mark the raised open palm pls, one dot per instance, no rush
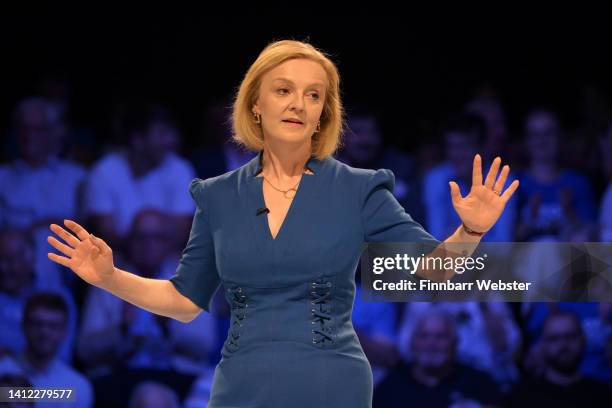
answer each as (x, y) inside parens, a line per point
(88, 256)
(481, 208)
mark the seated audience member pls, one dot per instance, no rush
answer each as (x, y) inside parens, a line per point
(596, 324)
(151, 394)
(487, 104)
(45, 322)
(116, 334)
(555, 378)
(146, 174)
(433, 377)
(550, 198)
(364, 148)
(605, 212)
(488, 335)
(18, 281)
(463, 138)
(376, 326)
(219, 154)
(31, 197)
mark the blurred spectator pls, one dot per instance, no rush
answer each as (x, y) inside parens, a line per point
(376, 326)
(151, 394)
(39, 188)
(199, 395)
(488, 335)
(605, 212)
(557, 379)
(487, 105)
(596, 324)
(550, 198)
(220, 154)
(434, 378)
(45, 323)
(363, 147)
(464, 137)
(79, 143)
(18, 281)
(148, 173)
(115, 333)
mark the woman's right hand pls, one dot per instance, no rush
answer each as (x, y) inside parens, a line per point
(88, 256)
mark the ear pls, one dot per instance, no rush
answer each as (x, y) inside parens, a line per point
(255, 107)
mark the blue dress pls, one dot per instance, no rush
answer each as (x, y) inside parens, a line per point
(291, 341)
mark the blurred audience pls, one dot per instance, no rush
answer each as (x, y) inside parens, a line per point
(433, 377)
(45, 324)
(220, 155)
(363, 147)
(115, 334)
(488, 335)
(555, 378)
(551, 199)
(135, 196)
(19, 279)
(151, 394)
(464, 134)
(31, 197)
(146, 173)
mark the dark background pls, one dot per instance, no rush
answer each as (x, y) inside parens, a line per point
(413, 70)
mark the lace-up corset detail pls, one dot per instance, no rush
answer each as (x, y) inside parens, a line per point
(239, 305)
(320, 293)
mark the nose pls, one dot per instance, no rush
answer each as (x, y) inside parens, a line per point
(297, 104)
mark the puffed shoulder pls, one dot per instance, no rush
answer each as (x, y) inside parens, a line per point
(378, 179)
(196, 189)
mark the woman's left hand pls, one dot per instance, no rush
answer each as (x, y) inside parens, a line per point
(481, 208)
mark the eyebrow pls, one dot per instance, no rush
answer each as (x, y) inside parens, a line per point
(291, 82)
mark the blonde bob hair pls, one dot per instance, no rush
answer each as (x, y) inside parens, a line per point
(248, 133)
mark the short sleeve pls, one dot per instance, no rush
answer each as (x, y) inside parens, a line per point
(196, 276)
(383, 217)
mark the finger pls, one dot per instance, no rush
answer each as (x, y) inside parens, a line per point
(477, 171)
(455, 192)
(62, 260)
(65, 249)
(65, 235)
(492, 174)
(501, 181)
(510, 190)
(77, 229)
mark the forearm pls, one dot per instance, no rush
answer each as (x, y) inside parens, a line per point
(157, 296)
(459, 244)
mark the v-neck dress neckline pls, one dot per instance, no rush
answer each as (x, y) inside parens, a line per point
(296, 208)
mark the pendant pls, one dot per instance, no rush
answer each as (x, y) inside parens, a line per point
(290, 193)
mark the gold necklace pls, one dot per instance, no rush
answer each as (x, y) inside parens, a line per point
(285, 192)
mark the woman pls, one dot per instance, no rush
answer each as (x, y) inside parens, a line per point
(283, 235)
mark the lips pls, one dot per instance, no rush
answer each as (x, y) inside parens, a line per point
(295, 121)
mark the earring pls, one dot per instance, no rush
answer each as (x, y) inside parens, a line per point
(318, 129)
(257, 117)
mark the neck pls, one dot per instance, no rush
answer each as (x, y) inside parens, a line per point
(430, 376)
(284, 163)
(35, 162)
(544, 171)
(563, 379)
(38, 363)
(138, 164)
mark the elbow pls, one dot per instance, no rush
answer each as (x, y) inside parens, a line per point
(188, 317)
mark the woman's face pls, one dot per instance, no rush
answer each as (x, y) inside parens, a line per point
(291, 99)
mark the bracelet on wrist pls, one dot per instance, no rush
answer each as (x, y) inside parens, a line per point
(471, 231)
